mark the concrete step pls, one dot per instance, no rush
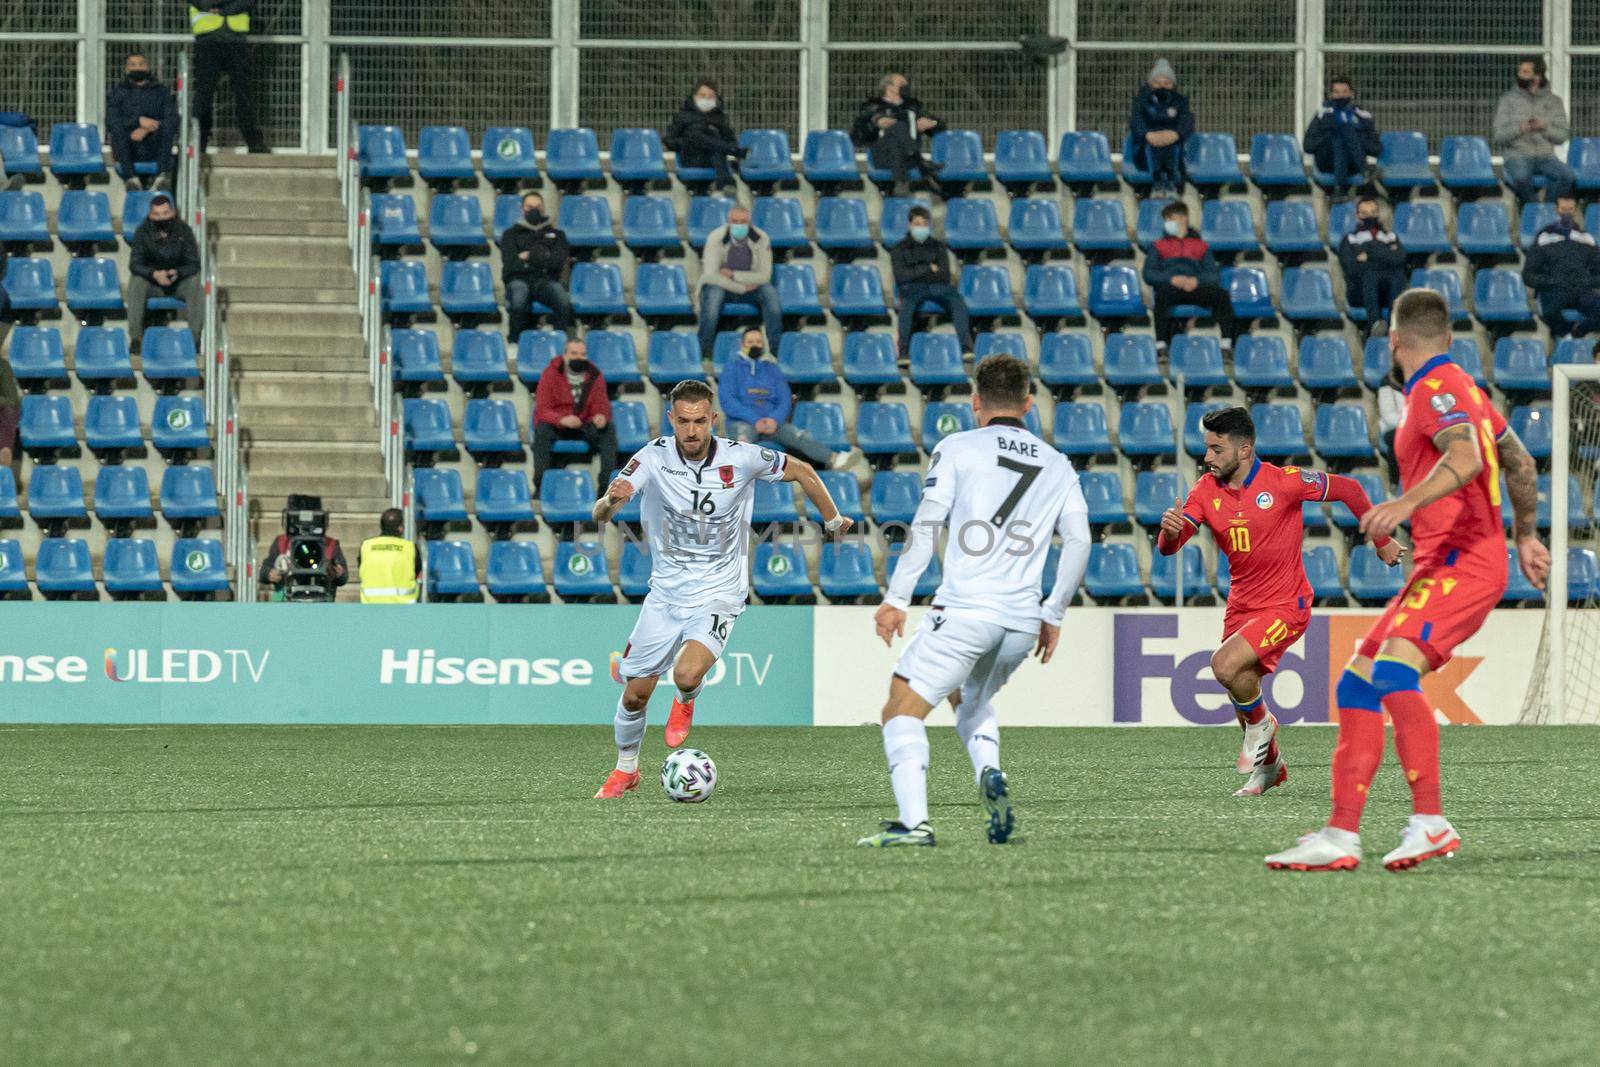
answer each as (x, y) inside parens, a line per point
(276, 486)
(301, 184)
(266, 432)
(253, 294)
(245, 366)
(299, 209)
(313, 459)
(228, 160)
(338, 280)
(249, 340)
(266, 319)
(275, 227)
(311, 252)
(263, 387)
(324, 416)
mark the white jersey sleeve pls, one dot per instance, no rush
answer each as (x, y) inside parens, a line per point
(639, 469)
(1073, 527)
(758, 462)
(938, 493)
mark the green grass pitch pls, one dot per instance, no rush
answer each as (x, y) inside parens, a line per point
(400, 895)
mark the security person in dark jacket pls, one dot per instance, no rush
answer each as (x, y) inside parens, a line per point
(1563, 270)
(1342, 136)
(222, 46)
(922, 272)
(1158, 125)
(533, 255)
(142, 123)
(702, 136)
(164, 261)
(890, 126)
(1182, 270)
(1374, 264)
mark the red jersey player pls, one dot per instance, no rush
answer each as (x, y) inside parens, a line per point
(1253, 510)
(1452, 445)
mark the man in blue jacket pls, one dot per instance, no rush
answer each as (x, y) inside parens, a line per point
(1342, 136)
(756, 400)
(141, 122)
(1182, 270)
(1157, 127)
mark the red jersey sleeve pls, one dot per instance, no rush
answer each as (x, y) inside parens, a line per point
(1301, 484)
(1192, 508)
(1436, 404)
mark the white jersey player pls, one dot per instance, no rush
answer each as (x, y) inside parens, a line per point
(697, 497)
(1001, 494)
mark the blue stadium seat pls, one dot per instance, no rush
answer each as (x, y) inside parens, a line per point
(455, 220)
(779, 571)
(706, 213)
(1276, 162)
(987, 291)
(467, 288)
(797, 289)
(1341, 221)
(515, 569)
(1341, 432)
(452, 570)
(1212, 159)
(895, 496)
(1279, 431)
(1021, 158)
(927, 582)
(490, 427)
(1464, 353)
(56, 492)
(1499, 296)
(1113, 571)
(774, 502)
(19, 151)
(566, 495)
(1085, 156)
(855, 291)
(1482, 228)
(1248, 291)
(989, 343)
(444, 153)
(1403, 161)
(1308, 295)
(1050, 291)
(1145, 429)
(1147, 227)
(869, 359)
(1518, 589)
(131, 566)
(1583, 574)
(637, 156)
(84, 217)
(404, 287)
(1199, 359)
(1035, 225)
(1568, 350)
(1465, 163)
(22, 217)
(438, 494)
(845, 492)
(844, 570)
(1163, 573)
(75, 149)
(661, 290)
(1139, 179)
(883, 429)
(507, 213)
(198, 566)
(62, 566)
(188, 492)
(971, 225)
(674, 357)
(1322, 568)
(586, 220)
(1102, 491)
(1520, 365)
(30, 284)
(101, 354)
(842, 224)
(1262, 362)
(535, 350)
(940, 420)
(572, 155)
(508, 155)
(1326, 363)
(135, 206)
(1531, 422)
(1444, 282)
(1376, 362)
(111, 422)
(1420, 226)
(381, 152)
(178, 423)
(806, 359)
(37, 355)
(1227, 226)
(13, 575)
(633, 571)
(1371, 580)
(783, 220)
(416, 356)
(394, 219)
(479, 356)
(502, 495)
(961, 154)
(1100, 225)
(768, 156)
(1292, 227)
(597, 289)
(427, 425)
(829, 157)
(1535, 217)
(613, 352)
(46, 422)
(580, 570)
(1114, 292)
(893, 220)
(1153, 493)
(1583, 156)
(1130, 360)
(1066, 360)
(633, 426)
(168, 354)
(825, 422)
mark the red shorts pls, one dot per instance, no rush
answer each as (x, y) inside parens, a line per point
(1445, 603)
(1270, 631)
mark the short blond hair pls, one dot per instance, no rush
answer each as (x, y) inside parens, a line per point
(1421, 314)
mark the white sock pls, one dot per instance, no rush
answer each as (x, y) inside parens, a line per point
(687, 695)
(980, 731)
(905, 742)
(629, 730)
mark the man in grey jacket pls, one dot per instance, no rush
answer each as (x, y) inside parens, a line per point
(737, 265)
(1529, 121)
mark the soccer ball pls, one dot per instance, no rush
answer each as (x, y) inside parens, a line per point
(688, 776)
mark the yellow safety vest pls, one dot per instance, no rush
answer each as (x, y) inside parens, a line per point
(203, 22)
(388, 571)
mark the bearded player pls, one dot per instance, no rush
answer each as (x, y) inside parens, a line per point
(1253, 510)
(697, 497)
(1452, 446)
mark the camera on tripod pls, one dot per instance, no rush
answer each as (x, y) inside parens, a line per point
(308, 572)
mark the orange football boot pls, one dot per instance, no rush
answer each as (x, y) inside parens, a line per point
(618, 783)
(678, 723)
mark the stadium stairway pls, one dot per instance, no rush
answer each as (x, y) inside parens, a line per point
(294, 335)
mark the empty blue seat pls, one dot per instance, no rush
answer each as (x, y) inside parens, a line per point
(987, 291)
(1164, 573)
(869, 359)
(1535, 217)
(990, 343)
(633, 570)
(970, 225)
(1341, 431)
(942, 419)
(1080, 429)
(1248, 291)
(774, 502)
(479, 356)
(1276, 162)
(1326, 363)
(130, 565)
(1114, 292)
(633, 426)
(416, 356)
(1227, 226)
(188, 492)
(566, 495)
(661, 290)
(22, 217)
(1583, 574)
(1568, 350)
(581, 571)
(1403, 161)
(381, 152)
(894, 218)
(36, 354)
(824, 421)
(507, 213)
(1499, 296)
(842, 224)
(198, 566)
(111, 422)
(1139, 179)
(674, 357)
(883, 429)
(75, 149)
(490, 427)
(1280, 433)
(438, 494)
(1021, 158)
(597, 289)
(844, 570)
(1198, 359)
(456, 221)
(178, 423)
(30, 284)
(806, 359)
(83, 217)
(1322, 568)
(19, 151)
(586, 220)
(779, 571)
(706, 213)
(1066, 360)
(467, 288)
(535, 350)
(63, 566)
(895, 496)
(572, 155)
(1420, 226)
(960, 152)
(1100, 225)
(845, 492)
(783, 220)
(1102, 491)
(1308, 295)
(1131, 360)
(1085, 156)
(855, 290)
(1464, 163)
(444, 153)
(1153, 493)
(1050, 291)
(829, 157)
(427, 425)
(1113, 571)
(1531, 422)
(1583, 156)
(508, 155)
(13, 576)
(1292, 227)
(404, 287)
(797, 288)
(1035, 225)
(1371, 579)
(1520, 365)
(767, 158)
(613, 353)
(46, 422)
(1145, 429)
(1444, 282)
(1464, 354)
(515, 569)
(101, 354)
(394, 219)
(1212, 159)
(1482, 228)
(927, 582)
(1376, 361)
(637, 156)
(1148, 226)
(56, 492)
(1262, 362)
(452, 569)
(1518, 589)
(135, 206)
(168, 354)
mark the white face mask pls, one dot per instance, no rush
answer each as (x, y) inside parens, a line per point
(1173, 227)
(705, 103)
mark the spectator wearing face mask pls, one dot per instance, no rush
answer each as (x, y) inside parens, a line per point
(1374, 264)
(1563, 270)
(164, 261)
(1159, 125)
(702, 136)
(141, 122)
(1182, 270)
(736, 263)
(757, 404)
(921, 265)
(1529, 121)
(570, 403)
(1342, 136)
(1391, 405)
(891, 126)
(533, 255)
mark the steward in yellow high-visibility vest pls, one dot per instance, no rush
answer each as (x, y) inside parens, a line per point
(388, 563)
(222, 46)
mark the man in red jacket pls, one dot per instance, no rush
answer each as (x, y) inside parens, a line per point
(571, 404)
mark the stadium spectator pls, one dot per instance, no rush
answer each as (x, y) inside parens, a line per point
(222, 46)
(891, 126)
(757, 403)
(10, 406)
(1159, 124)
(737, 262)
(388, 564)
(921, 265)
(1374, 264)
(533, 256)
(570, 403)
(1391, 403)
(702, 136)
(164, 261)
(1563, 270)
(1529, 121)
(1182, 270)
(1342, 137)
(142, 123)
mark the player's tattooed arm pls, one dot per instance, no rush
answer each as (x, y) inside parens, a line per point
(1522, 484)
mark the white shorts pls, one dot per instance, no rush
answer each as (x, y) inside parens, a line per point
(662, 629)
(949, 652)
